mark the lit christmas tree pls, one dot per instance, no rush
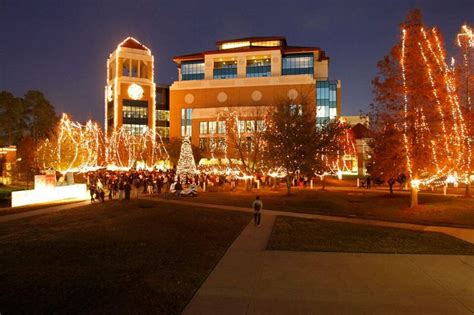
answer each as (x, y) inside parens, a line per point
(186, 164)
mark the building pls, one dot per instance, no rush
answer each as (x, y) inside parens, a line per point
(7, 164)
(245, 75)
(162, 99)
(130, 89)
(361, 136)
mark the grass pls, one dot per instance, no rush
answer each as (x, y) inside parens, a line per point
(298, 234)
(116, 257)
(433, 209)
(10, 210)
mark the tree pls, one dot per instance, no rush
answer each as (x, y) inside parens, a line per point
(412, 89)
(41, 115)
(387, 160)
(186, 164)
(12, 119)
(289, 135)
(26, 164)
(465, 90)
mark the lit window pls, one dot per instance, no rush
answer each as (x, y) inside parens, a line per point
(225, 69)
(259, 67)
(192, 70)
(298, 64)
(203, 127)
(212, 127)
(234, 45)
(221, 129)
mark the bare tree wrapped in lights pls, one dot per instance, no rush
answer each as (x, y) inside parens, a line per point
(186, 164)
(415, 94)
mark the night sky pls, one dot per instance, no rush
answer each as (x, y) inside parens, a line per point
(61, 47)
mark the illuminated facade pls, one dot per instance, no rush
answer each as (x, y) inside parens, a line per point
(162, 114)
(248, 75)
(130, 89)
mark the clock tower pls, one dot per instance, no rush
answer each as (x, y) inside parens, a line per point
(130, 89)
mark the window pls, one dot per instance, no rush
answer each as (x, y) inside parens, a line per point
(259, 67)
(221, 128)
(326, 93)
(186, 120)
(134, 72)
(268, 43)
(135, 129)
(260, 125)
(234, 45)
(225, 69)
(212, 127)
(126, 67)
(192, 70)
(143, 70)
(163, 115)
(164, 132)
(296, 109)
(250, 126)
(203, 127)
(241, 126)
(298, 64)
(135, 112)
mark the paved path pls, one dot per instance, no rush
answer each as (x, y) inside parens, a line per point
(462, 233)
(251, 280)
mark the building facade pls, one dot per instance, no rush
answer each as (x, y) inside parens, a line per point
(244, 76)
(130, 90)
(162, 114)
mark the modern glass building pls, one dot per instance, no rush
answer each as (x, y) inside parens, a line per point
(243, 77)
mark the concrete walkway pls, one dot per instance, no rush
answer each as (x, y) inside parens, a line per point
(461, 233)
(251, 280)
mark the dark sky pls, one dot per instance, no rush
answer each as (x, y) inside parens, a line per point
(61, 47)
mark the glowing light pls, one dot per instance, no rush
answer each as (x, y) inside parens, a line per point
(28, 197)
(135, 91)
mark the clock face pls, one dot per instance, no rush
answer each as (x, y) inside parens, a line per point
(135, 91)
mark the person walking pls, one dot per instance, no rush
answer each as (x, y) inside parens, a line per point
(178, 187)
(127, 189)
(368, 182)
(121, 187)
(257, 206)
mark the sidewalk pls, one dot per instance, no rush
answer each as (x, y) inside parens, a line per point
(462, 233)
(251, 280)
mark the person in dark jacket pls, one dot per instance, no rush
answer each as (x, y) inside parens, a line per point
(128, 189)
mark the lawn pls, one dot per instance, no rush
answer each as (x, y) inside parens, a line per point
(298, 234)
(433, 209)
(9, 210)
(116, 257)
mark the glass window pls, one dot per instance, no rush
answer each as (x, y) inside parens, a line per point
(126, 67)
(259, 67)
(298, 64)
(164, 132)
(326, 101)
(268, 43)
(242, 126)
(221, 128)
(225, 69)
(250, 126)
(186, 120)
(260, 125)
(134, 72)
(135, 129)
(192, 70)
(212, 127)
(163, 115)
(203, 127)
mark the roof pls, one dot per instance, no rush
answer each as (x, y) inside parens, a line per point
(131, 42)
(360, 131)
(284, 50)
(253, 39)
